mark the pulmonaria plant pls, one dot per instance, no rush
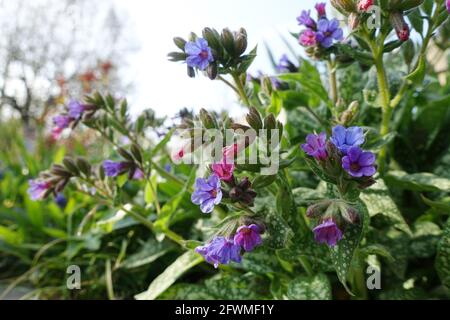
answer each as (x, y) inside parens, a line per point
(322, 33)
(343, 162)
(208, 193)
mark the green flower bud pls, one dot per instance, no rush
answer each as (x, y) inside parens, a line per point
(71, 166)
(179, 42)
(254, 119)
(227, 39)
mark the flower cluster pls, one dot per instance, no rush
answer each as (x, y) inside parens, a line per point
(321, 33)
(214, 53)
(341, 160)
(75, 111)
(223, 250)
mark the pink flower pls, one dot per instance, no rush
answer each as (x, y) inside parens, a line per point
(230, 152)
(308, 38)
(320, 7)
(223, 170)
(363, 5)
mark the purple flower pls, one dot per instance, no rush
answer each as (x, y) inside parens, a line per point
(327, 31)
(207, 193)
(60, 200)
(76, 109)
(448, 5)
(199, 54)
(220, 251)
(327, 232)
(344, 138)
(320, 8)
(315, 146)
(223, 170)
(38, 189)
(286, 65)
(138, 174)
(306, 20)
(307, 38)
(358, 163)
(62, 121)
(113, 169)
(248, 237)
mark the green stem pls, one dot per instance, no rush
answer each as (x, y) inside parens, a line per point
(333, 81)
(241, 90)
(229, 84)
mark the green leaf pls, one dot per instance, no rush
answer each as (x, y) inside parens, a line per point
(163, 142)
(316, 287)
(418, 75)
(379, 202)
(312, 85)
(185, 262)
(150, 251)
(149, 194)
(342, 254)
(263, 260)
(442, 262)
(418, 181)
(235, 287)
(122, 179)
(278, 231)
(425, 239)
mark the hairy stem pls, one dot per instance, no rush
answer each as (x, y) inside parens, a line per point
(241, 89)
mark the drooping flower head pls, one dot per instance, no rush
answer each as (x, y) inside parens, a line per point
(315, 146)
(321, 9)
(328, 31)
(223, 170)
(38, 189)
(207, 193)
(344, 138)
(220, 251)
(285, 65)
(327, 232)
(248, 237)
(305, 19)
(199, 54)
(113, 168)
(358, 163)
(307, 38)
(76, 109)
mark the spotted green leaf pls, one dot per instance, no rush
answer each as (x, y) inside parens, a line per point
(379, 202)
(342, 254)
(442, 262)
(278, 231)
(418, 181)
(310, 288)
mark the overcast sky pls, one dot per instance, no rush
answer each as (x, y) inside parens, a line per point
(164, 85)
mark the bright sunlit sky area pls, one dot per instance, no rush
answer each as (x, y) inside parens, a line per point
(165, 86)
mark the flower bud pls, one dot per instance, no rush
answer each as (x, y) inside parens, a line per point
(71, 166)
(240, 44)
(353, 21)
(179, 42)
(349, 214)
(84, 166)
(211, 71)
(317, 209)
(363, 5)
(344, 6)
(349, 114)
(191, 72)
(400, 26)
(254, 119)
(125, 154)
(136, 153)
(227, 39)
(60, 171)
(207, 120)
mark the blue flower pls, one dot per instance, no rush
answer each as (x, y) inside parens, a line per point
(316, 146)
(199, 54)
(207, 193)
(344, 138)
(248, 237)
(358, 163)
(327, 31)
(60, 200)
(113, 169)
(306, 20)
(76, 109)
(327, 232)
(220, 251)
(38, 189)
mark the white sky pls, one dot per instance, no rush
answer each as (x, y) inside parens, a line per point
(163, 85)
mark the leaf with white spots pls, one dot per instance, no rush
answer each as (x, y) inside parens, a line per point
(442, 262)
(316, 287)
(342, 254)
